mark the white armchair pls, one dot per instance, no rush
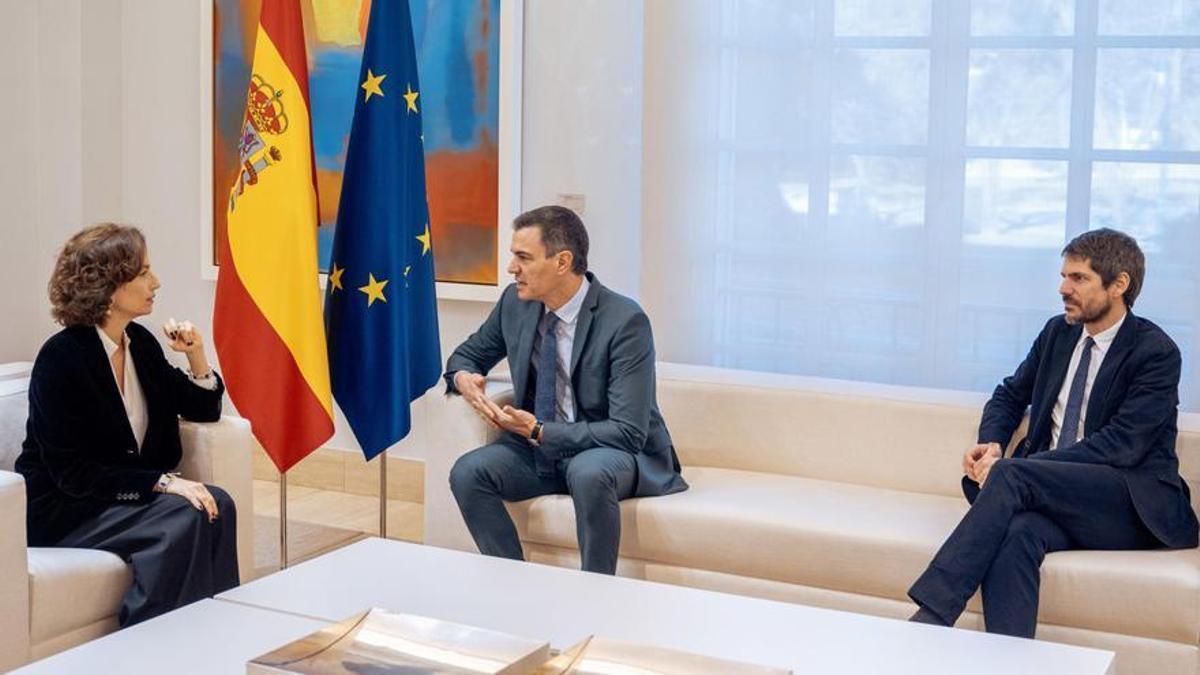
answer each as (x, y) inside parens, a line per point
(56, 598)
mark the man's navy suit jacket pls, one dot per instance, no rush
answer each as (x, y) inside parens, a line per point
(1130, 423)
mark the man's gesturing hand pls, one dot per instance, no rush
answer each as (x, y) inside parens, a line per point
(471, 386)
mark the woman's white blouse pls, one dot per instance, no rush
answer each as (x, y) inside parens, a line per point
(133, 397)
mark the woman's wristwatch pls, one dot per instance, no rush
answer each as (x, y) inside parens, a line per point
(164, 482)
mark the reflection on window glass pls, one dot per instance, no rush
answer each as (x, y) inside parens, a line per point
(1148, 99)
(1019, 97)
(755, 319)
(874, 262)
(876, 233)
(1022, 17)
(874, 195)
(1149, 17)
(770, 199)
(1011, 203)
(769, 97)
(768, 21)
(1013, 230)
(1157, 204)
(812, 244)
(881, 17)
(881, 96)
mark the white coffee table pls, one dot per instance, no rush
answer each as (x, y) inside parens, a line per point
(564, 606)
(209, 636)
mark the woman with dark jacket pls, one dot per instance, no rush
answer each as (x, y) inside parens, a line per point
(102, 440)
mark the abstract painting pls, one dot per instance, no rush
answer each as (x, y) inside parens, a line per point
(458, 56)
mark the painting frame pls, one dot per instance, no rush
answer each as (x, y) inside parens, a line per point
(511, 39)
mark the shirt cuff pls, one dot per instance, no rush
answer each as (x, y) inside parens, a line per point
(208, 381)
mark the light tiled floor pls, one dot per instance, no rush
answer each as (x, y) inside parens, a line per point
(322, 520)
(341, 509)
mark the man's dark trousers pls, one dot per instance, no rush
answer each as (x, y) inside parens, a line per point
(1026, 509)
(597, 479)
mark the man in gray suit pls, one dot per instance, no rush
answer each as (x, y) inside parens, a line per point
(587, 425)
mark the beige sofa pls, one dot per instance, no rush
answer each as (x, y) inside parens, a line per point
(56, 598)
(837, 494)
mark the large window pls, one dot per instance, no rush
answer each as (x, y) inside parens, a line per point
(879, 189)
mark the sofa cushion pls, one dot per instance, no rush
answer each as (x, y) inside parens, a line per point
(737, 420)
(73, 587)
(871, 541)
(14, 411)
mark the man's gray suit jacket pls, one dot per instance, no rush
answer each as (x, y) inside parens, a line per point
(612, 377)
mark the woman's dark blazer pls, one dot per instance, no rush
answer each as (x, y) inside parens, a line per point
(80, 455)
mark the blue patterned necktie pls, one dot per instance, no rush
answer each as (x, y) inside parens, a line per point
(1070, 426)
(545, 401)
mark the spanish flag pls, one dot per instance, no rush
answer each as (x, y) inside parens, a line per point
(268, 326)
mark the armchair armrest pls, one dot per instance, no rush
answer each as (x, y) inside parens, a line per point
(501, 392)
(459, 430)
(14, 573)
(219, 453)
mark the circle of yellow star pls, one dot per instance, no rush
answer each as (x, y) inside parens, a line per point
(425, 240)
(372, 85)
(374, 290)
(335, 277)
(410, 97)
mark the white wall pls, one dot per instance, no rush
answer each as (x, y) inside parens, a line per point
(18, 218)
(101, 123)
(583, 123)
(41, 175)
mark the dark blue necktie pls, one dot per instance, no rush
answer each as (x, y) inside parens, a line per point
(1070, 425)
(545, 400)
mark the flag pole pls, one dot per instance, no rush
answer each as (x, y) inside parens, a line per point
(283, 538)
(383, 494)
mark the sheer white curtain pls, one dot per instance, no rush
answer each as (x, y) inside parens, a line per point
(879, 189)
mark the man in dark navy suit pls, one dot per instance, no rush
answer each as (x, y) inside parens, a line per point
(1098, 468)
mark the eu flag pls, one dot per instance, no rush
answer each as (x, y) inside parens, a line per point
(381, 307)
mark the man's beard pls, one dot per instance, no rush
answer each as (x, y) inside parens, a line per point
(1088, 317)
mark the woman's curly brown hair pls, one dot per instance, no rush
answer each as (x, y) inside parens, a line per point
(90, 268)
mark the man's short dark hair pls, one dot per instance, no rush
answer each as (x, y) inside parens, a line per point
(562, 230)
(1111, 252)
